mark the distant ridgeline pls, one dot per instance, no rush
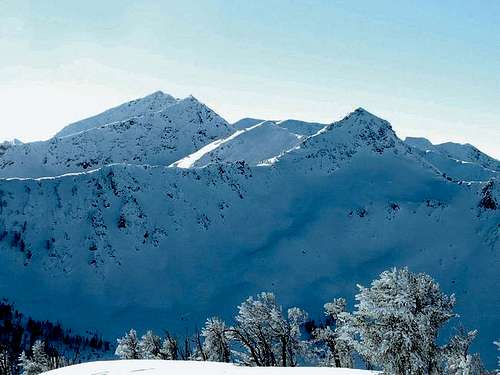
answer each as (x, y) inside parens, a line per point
(19, 332)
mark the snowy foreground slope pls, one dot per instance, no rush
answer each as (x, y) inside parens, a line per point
(152, 367)
(135, 243)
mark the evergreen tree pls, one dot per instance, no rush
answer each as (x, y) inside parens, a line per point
(334, 349)
(128, 346)
(37, 363)
(497, 343)
(170, 348)
(5, 360)
(216, 343)
(456, 357)
(397, 321)
(150, 346)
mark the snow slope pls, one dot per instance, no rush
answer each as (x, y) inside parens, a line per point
(460, 162)
(155, 138)
(294, 126)
(301, 127)
(246, 123)
(155, 367)
(7, 144)
(154, 102)
(253, 145)
(131, 245)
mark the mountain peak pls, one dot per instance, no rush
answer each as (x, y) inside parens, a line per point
(419, 142)
(359, 131)
(361, 113)
(365, 124)
(158, 93)
(154, 102)
(361, 110)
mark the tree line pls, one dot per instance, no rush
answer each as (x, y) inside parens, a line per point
(23, 338)
(394, 328)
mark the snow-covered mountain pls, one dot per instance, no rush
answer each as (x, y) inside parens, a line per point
(253, 145)
(294, 126)
(246, 123)
(260, 207)
(153, 137)
(457, 161)
(7, 144)
(152, 103)
(301, 127)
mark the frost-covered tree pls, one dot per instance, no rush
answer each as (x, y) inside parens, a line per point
(170, 348)
(269, 338)
(128, 346)
(37, 363)
(216, 341)
(456, 357)
(24, 364)
(293, 342)
(497, 343)
(5, 360)
(333, 346)
(397, 322)
(150, 346)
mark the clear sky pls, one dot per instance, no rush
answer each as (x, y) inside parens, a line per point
(432, 68)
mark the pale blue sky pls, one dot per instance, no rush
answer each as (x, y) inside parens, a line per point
(432, 68)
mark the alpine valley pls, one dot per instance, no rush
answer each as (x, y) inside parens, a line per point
(159, 213)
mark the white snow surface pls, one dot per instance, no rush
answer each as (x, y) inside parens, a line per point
(253, 145)
(301, 127)
(457, 161)
(246, 122)
(294, 126)
(158, 367)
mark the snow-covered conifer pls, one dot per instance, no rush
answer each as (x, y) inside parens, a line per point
(456, 357)
(150, 346)
(37, 363)
(497, 343)
(128, 346)
(397, 321)
(170, 348)
(5, 360)
(216, 343)
(334, 349)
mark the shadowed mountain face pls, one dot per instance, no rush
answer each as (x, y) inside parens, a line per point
(136, 243)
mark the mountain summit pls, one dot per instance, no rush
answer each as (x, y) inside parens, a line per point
(154, 137)
(154, 102)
